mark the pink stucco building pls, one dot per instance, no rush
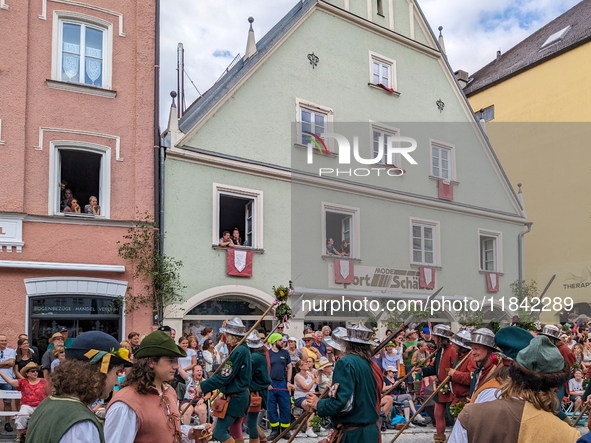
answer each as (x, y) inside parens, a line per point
(76, 105)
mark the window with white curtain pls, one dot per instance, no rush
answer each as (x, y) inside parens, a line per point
(82, 53)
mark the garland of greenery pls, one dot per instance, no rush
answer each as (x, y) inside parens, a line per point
(282, 293)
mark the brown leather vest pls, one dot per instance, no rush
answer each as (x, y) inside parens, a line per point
(156, 423)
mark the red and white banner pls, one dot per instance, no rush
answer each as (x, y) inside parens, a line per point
(427, 278)
(239, 263)
(343, 271)
(446, 189)
(492, 280)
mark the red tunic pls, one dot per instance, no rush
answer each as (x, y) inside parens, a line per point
(460, 381)
(567, 354)
(379, 376)
(446, 362)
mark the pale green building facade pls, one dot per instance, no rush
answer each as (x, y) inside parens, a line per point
(239, 159)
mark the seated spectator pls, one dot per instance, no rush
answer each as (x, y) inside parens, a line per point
(575, 386)
(236, 237)
(67, 195)
(192, 380)
(59, 355)
(92, 207)
(305, 381)
(73, 206)
(398, 395)
(24, 356)
(324, 374)
(330, 249)
(33, 390)
(345, 249)
(226, 241)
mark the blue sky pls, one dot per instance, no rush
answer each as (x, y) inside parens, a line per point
(213, 32)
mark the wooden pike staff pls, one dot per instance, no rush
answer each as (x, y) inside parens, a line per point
(233, 348)
(580, 415)
(306, 415)
(441, 385)
(427, 360)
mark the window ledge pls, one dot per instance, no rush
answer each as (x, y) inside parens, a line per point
(337, 257)
(81, 88)
(415, 265)
(432, 177)
(379, 88)
(315, 151)
(240, 248)
(77, 215)
(491, 272)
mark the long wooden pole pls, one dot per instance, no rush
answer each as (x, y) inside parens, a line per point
(234, 347)
(580, 415)
(427, 359)
(441, 385)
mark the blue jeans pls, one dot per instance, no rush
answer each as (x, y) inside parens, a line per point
(7, 387)
(279, 398)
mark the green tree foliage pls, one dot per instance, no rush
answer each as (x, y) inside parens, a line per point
(160, 274)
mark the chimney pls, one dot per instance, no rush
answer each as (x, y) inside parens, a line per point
(462, 78)
(441, 42)
(498, 55)
(482, 122)
(520, 198)
(251, 46)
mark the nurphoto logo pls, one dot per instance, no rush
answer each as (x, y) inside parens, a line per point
(394, 145)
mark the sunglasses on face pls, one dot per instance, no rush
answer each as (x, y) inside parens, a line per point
(33, 370)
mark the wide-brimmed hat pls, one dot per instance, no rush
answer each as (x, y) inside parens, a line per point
(443, 331)
(28, 367)
(235, 327)
(462, 339)
(539, 366)
(563, 336)
(391, 368)
(551, 331)
(484, 337)
(54, 336)
(159, 344)
(411, 331)
(335, 340)
(96, 346)
(323, 363)
(254, 341)
(511, 340)
(358, 334)
(308, 336)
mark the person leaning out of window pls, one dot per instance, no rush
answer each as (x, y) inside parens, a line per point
(236, 237)
(330, 249)
(226, 240)
(92, 207)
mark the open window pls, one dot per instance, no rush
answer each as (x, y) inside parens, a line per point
(489, 247)
(238, 209)
(340, 231)
(80, 184)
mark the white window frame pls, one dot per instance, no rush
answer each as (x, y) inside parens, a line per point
(498, 252)
(355, 245)
(60, 17)
(390, 130)
(452, 158)
(55, 175)
(391, 63)
(436, 225)
(239, 192)
(316, 108)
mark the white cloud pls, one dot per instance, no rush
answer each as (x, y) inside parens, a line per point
(473, 32)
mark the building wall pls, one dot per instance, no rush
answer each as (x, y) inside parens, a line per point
(29, 104)
(540, 147)
(262, 113)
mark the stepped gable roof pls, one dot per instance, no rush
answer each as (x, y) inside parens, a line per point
(536, 48)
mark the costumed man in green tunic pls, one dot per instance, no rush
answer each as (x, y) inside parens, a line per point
(89, 373)
(355, 394)
(259, 384)
(233, 380)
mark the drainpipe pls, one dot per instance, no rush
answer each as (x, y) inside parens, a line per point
(158, 149)
(520, 255)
